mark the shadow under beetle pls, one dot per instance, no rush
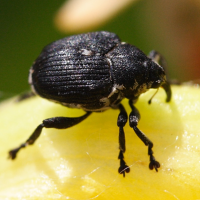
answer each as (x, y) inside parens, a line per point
(94, 72)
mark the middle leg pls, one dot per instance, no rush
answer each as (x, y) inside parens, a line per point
(121, 121)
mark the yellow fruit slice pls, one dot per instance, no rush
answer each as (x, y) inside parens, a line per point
(81, 162)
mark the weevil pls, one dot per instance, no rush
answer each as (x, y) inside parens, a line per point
(94, 72)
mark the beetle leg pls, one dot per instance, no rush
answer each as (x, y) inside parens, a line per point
(121, 121)
(25, 96)
(55, 122)
(134, 117)
(158, 58)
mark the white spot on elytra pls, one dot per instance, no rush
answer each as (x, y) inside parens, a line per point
(30, 80)
(86, 52)
(30, 76)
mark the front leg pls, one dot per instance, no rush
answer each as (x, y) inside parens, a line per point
(121, 121)
(134, 117)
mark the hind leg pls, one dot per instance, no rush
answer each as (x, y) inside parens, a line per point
(56, 122)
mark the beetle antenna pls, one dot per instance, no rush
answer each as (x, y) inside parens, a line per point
(149, 102)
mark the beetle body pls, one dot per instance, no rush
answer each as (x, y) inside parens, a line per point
(95, 71)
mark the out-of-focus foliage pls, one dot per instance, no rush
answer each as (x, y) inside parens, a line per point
(171, 27)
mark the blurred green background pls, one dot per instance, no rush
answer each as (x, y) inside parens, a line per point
(27, 26)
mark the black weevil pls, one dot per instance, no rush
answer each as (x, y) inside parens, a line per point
(94, 72)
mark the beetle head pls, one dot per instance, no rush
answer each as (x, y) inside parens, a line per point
(158, 79)
(156, 75)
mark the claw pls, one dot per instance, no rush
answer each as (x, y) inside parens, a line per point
(123, 169)
(154, 164)
(123, 166)
(13, 153)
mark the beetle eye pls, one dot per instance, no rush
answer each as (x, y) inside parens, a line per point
(156, 84)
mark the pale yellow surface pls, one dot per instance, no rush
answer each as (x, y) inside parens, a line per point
(84, 15)
(81, 162)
